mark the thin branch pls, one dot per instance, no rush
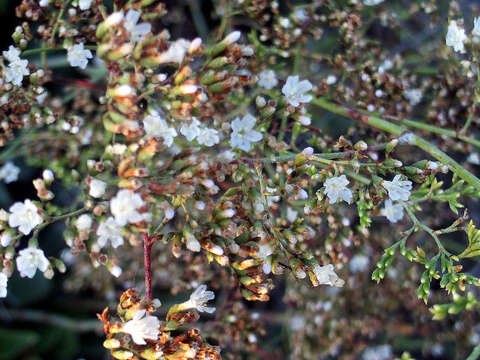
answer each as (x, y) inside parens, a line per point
(398, 130)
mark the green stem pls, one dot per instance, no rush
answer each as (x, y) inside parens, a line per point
(44, 50)
(398, 130)
(436, 130)
(475, 353)
(425, 228)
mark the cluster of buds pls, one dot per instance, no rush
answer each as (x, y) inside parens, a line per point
(140, 335)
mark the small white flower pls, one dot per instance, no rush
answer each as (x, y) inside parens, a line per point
(155, 126)
(264, 251)
(473, 158)
(372, 2)
(358, 263)
(267, 79)
(381, 352)
(336, 187)
(5, 239)
(414, 96)
(136, 32)
(9, 172)
(233, 37)
(142, 327)
(109, 230)
(13, 54)
(398, 189)
(124, 207)
(84, 4)
(243, 134)
(326, 275)
(300, 14)
(476, 27)
(456, 37)
(3, 285)
(393, 212)
(16, 70)
(25, 216)
(47, 175)
(77, 56)
(192, 243)
(295, 91)
(192, 130)
(97, 188)
(84, 222)
(31, 259)
(175, 53)
(331, 79)
(114, 19)
(199, 299)
(291, 214)
(43, 3)
(208, 137)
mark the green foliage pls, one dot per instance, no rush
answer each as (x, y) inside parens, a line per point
(473, 236)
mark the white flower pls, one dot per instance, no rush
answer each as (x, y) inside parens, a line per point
(77, 56)
(336, 187)
(294, 91)
(97, 188)
(291, 214)
(331, 79)
(5, 239)
(136, 32)
(3, 285)
(25, 216)
(114, 19)
(265, 250)
(381, 352)
(84, 222)
(393, 212)
(398, 189)
(84, 4)
(124, 207)
(243, 134)
(300, 14)
(372, 2)
(198, 300)
(208, 137)
(9, 172)
(13, 54)
(142, 327)
(175, 53)
(473, 158)
(192, 243)
(359, 263)
(326, 275)
(155, 126)
(31, 259)
(16, 70)
(233, 37)
(456, 37)
(47, 175)
(43, 3)
(476, 27)
(109, 230)
(414, 96)
(192, 130)
(267, 79)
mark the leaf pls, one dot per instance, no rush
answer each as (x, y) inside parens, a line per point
(473, 235)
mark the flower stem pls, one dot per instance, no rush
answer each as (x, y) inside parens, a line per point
(147, 259)
(398, 130)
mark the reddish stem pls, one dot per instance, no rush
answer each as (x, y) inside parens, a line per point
(147, 259)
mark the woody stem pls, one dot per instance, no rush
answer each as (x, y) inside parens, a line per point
(147, 259)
